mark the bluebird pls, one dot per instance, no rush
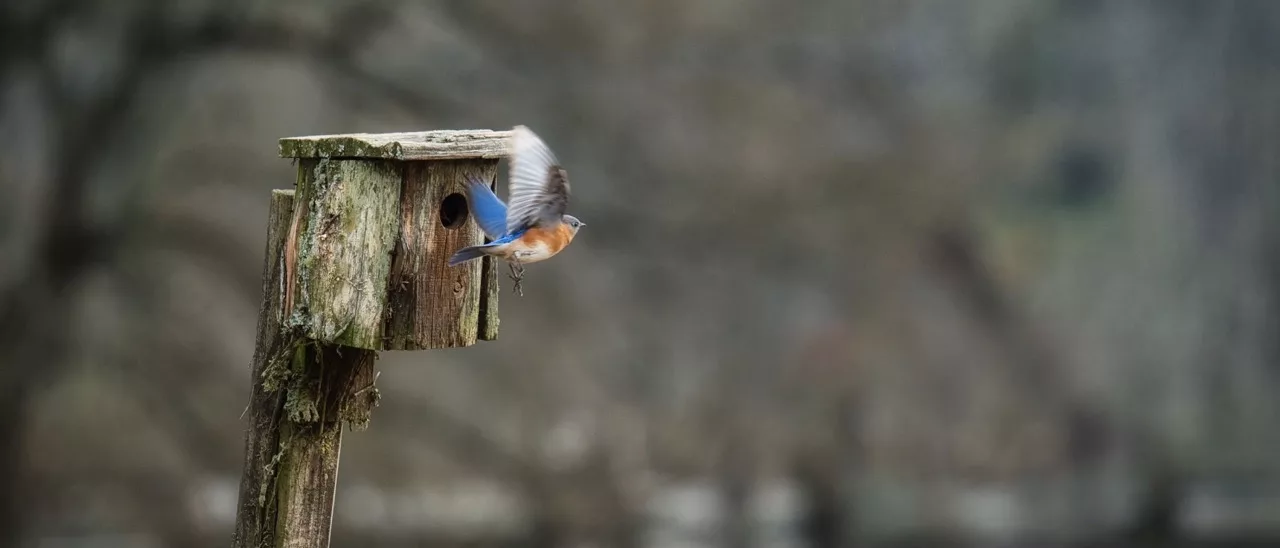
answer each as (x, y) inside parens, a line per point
(535, 227)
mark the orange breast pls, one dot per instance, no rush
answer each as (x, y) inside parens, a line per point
(554, 238)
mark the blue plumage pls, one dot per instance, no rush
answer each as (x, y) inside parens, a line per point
(466, 254)
(488, 209)
(535, 227)
(491, 215)
(476, 251)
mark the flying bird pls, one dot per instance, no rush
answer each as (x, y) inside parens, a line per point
(535, 227)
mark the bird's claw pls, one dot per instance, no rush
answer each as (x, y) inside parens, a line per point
(517, 274)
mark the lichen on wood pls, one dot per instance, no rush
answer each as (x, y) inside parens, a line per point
(303, 392)
(300, 403)
(418, 145)
(306, 481)
(356, 261)
(326, 391)
(345, 240)
(356, 409)
(255, 516)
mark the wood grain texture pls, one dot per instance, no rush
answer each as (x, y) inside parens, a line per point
(489, 291)
(302, 393)
(331, 385)
(309, 468)
(254, 516)
(432, 304)
(345, 240)
(418, 145)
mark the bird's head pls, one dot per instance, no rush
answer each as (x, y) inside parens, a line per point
(573, 223)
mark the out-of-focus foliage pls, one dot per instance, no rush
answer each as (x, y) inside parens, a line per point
(853, 270)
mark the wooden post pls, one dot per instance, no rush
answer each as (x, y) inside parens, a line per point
(356, 262)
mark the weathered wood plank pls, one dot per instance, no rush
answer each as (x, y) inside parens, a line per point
(418, 145)
(432, 304)
(489, 290)
(309, 468)
(302, 393)
(345, 238)
(254, 516)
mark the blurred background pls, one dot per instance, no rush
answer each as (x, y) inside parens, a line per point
(857, 272)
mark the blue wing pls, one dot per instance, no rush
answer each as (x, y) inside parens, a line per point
(508, 238)
(488, 209)
(477, 251)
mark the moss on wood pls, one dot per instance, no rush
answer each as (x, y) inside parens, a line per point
(303, 392)
(356, 227)
(255, 516)
(345, 242)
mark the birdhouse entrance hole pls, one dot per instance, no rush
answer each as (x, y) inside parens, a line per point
(453, 211)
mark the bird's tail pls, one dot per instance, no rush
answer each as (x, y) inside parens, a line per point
(469, 253)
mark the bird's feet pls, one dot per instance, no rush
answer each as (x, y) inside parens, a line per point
(517, 274)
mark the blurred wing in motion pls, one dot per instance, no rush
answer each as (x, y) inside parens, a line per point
(539, 186)
(488, 209)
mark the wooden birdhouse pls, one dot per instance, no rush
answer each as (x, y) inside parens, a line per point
(375, 220)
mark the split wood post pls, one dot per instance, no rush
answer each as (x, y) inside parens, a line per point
(356, 262)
